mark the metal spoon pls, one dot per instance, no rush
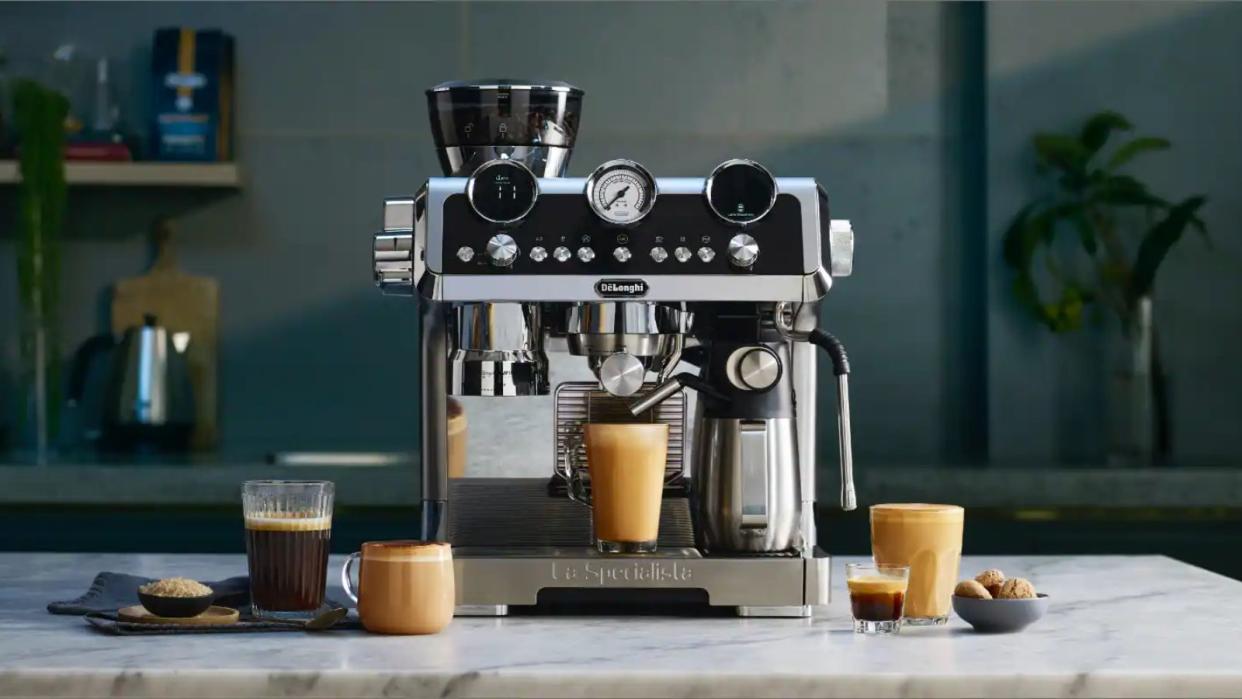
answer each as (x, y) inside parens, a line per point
(321, 622)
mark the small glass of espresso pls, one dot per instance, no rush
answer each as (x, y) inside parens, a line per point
(877, 596)
(288, 528)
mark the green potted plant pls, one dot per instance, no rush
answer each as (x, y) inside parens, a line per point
(1098, 237)
(39, 118)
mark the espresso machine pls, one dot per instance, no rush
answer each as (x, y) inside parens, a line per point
(691, 301)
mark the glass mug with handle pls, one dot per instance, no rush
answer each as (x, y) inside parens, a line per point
(404, 587)
(626, 464)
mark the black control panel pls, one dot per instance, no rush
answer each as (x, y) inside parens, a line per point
(561, 235)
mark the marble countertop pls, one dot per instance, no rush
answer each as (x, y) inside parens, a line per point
(1117, 626)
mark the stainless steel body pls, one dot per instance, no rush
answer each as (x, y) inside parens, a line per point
(497, 350)
(517, 278)
(746, 495)
(490, 581)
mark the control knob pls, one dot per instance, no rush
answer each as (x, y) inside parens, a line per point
(743, 250)
(755, 368)
(502, 250)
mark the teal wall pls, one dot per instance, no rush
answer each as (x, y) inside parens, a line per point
(913, 115)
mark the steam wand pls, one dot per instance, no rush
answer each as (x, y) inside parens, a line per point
(783, 318)
(670, 387)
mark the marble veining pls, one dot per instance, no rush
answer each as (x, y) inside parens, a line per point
(1117, 626)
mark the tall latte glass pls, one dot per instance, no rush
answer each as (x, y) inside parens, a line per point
(928, 538)
(626, 463)
(288, 528)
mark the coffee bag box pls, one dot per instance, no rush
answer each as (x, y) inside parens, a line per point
(193, 95)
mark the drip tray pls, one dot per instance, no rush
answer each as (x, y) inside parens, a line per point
(493, 582)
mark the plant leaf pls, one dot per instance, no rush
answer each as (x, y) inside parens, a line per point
(1098, 128)
(1086, 232)
(1061, 151)
(1020, 238)
(1138, 146)
(1124, 190)
(1156, 245)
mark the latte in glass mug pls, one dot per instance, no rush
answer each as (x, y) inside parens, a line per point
(404, 587)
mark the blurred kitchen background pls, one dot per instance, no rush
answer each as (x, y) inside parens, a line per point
(918, 118)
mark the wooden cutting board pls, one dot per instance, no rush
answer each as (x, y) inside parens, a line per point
(181, 302)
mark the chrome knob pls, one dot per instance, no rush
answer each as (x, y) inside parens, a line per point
(706, 254)
(682, 254)
(753, 368)
(659, 254)
(562, 254)
(465, 253)
(392, 249)
(538, 253)
(621, 374)
(841, 247)
(622, 254)
(586, 254)
(743, 250)
(502, 249)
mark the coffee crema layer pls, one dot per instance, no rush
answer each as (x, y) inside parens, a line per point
(288, 522)
(410, 551)
(917, 510)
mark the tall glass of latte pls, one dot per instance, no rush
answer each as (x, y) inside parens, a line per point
(928, 538)
(288, 528)
(626, 463)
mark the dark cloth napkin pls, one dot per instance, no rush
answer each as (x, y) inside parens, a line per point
(112, 591)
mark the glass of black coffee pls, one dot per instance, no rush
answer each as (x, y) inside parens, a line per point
(877, 596)
(288, 528)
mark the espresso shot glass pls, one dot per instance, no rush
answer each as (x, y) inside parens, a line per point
(288, 530)
(877, 596)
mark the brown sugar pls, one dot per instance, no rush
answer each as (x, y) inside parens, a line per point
(175, 587)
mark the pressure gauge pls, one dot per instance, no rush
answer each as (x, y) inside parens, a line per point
(502, 191)
(621, 192)
(740, 191)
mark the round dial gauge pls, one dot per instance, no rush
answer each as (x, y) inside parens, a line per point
(621, 192)
(502, 191)
(740, 191)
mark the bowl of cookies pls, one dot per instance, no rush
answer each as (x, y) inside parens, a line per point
(992, 603)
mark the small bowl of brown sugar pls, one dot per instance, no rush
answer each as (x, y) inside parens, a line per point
(176, 597)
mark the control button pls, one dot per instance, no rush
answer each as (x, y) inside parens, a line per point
(465, 253)
(538, 253)
(743, 250)
(502, 249)
(659, 254)
(706, 254)
(562, 254)
(682, 254)
(622, 254)
(586, 254)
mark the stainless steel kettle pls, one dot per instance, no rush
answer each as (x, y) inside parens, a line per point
(147, 401)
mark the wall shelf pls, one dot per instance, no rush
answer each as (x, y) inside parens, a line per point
(141, 174)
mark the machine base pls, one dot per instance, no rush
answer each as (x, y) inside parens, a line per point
(490, 582)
